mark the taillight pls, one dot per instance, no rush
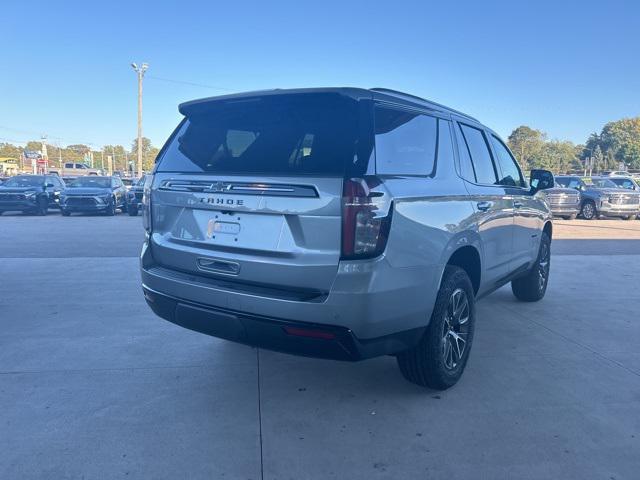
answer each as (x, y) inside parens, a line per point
(146, 203)
(366, 218)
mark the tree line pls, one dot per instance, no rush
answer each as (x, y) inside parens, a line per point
(617, 143)
(121, 156)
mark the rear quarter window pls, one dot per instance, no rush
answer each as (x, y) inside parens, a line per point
(405, 142)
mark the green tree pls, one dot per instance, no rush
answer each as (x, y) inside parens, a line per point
(526, 143)
(119, 156)
(149, 153)
(598, 159)
(10, 151)
(623, 137)
(555, 155)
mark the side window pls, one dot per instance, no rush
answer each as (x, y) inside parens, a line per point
(480, 155)
(445, 142)
(466, 167)
(405, 142)
(510, 174)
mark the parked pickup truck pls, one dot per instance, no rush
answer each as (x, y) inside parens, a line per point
(75, 170)
(601, 197)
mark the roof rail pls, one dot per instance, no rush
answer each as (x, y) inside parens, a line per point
(404, 94)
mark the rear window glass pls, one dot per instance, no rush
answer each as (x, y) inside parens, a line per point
(405, 142)
(310, 134)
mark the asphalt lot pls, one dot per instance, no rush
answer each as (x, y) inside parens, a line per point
(93, 385)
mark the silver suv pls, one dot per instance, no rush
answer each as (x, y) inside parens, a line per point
(340, 223)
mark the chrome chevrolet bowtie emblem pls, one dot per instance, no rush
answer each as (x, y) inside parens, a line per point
(217, 187)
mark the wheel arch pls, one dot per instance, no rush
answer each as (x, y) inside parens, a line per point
(468, 258)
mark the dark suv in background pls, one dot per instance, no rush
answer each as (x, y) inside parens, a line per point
(134, 196)
(94, 194)
(341, 223)
(600, 197)
(31, 193)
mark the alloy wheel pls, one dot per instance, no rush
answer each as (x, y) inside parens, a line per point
(543, 266)
(588, 211)
(455, 331)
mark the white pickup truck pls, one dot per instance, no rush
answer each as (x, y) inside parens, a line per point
(75, 170)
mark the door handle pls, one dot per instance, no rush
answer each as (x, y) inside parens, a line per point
(517, 204)
(484, 206)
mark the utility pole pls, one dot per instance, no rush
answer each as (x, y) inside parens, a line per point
(43, 152)
(60, 160)
(140, 71)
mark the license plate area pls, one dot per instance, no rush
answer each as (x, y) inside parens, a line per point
(221, 227)
(247, 230)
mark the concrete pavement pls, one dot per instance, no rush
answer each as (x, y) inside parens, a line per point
(93, 385)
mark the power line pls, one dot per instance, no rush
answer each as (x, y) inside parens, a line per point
(201, 85)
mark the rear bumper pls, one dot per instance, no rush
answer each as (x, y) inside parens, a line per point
(331, 342)
(372, 308)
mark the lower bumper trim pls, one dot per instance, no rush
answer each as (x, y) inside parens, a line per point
(339, 343)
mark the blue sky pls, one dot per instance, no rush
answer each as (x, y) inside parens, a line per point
(563, 67)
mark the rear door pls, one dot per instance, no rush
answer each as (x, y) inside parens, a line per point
(250, 191)
(491, 201)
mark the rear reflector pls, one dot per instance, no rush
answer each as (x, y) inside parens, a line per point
(304, 332)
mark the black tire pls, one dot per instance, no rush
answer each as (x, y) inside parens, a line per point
(65, 213)
(631, 217)
(572, 217)
(132, 211)
(434, 363)
(43, 207)
(588, 210)
(533, 285)
(111, 208)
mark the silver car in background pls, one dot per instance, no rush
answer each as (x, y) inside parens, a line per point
(340, 223)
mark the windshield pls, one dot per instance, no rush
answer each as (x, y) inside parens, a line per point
(281, 135)
(604, 183)
(25, 181)
(90, 182)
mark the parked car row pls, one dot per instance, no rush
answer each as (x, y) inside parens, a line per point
(37, 194)
(594, 197)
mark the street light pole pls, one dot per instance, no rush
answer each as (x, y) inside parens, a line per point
(140, 71)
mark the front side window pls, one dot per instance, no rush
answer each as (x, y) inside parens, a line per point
(405, 142)
(510, 174)
(478, 150)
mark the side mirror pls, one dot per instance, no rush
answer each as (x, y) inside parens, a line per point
(541, 180)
